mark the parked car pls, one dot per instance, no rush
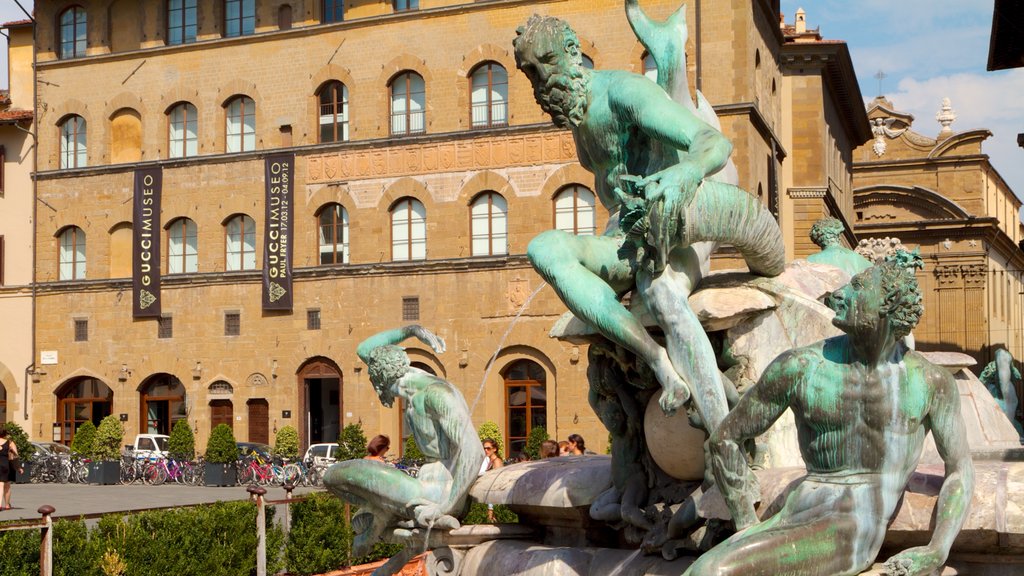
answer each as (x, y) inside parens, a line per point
(245, 449)
(321, 454)
(151, 445)
(44, 449)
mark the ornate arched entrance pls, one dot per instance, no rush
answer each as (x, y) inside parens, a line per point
(81, 400)
(320, 404)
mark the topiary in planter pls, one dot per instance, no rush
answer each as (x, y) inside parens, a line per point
(351, 442)
(221, 447)
(16, 434)
(85, 439)
(411, 451)
(534, 439)
(490, 431)
(109, 436)
(182, 444)
(286, 444)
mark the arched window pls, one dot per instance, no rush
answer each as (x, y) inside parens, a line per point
(489, 225)
(163, 403)
(72, 142)
(333, 99)
(333, 222)
(72, 32)
(79, 401)
(650, 67)
(181, 21)
(72, 254)
(240, 245)
(525, 402)
(489, 96)
(239, 17)
(408, 104)
(333, 11)
(574, 210)
(408, 230)
(182, 247)
(182, 131)
(588, 62)
(241, 125)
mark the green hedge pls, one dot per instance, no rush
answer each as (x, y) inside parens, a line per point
(215, 540)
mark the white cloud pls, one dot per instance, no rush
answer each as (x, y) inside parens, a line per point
(982, 100)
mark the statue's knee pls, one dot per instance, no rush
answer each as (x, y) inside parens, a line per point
(545, 247)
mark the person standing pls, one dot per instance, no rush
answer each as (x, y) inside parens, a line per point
(9, 467)
(577, 445)
(493, 459)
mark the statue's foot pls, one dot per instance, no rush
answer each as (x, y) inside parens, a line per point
(674, 391)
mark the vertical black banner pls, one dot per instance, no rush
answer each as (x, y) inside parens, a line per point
(146, 243)
(277, 234)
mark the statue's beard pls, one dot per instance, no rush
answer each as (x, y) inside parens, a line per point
(564, 98)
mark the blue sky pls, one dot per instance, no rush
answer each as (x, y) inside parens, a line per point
(929, 49)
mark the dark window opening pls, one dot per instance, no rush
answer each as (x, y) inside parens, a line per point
(81, 330)
(410, 308)
(232, 324)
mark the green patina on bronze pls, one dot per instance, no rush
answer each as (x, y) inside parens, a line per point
(1001, 377)
(863, 405)
(393, 505)
(826, 234)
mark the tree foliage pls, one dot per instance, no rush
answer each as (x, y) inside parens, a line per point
(182, 444)
(16, 434)
(85, 439)
(221, 447)
(411, 450)
(351, 442)
(286, 443)
(534, 439)
(109, 437)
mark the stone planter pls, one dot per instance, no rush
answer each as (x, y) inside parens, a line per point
(220, 474)
(106, 473)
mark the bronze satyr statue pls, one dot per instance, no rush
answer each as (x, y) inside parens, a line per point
(826, 233)
(863, 405)
(436, 414)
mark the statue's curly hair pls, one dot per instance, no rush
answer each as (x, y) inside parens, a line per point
(901, 297)
(547, 26)
(386, 365)
(826, 232)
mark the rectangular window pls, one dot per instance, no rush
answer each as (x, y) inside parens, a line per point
(181, 21)
(165, 327)
(410, 308)
(81, 330)
(232, 323)
(313, 319)
(333, 11)
(239, 17)
(403, 5)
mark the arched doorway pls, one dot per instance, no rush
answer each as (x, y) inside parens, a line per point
(320, 398)
(525, 402)
(81, 400)
(163, 403)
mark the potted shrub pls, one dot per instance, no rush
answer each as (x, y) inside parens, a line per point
(221, 454)
(286, 443)
(106, 452)
(351, 442)
(25, 451)
(182, 443)
(85, 440)
(534, 439)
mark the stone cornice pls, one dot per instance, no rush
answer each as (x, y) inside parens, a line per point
(757, 119)
(919, 161)
(807, 192)
(835, 60)
(376, 270)
(376, 146)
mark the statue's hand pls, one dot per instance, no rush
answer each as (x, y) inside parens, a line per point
(676, 184)
(429, 338)
(919, 561)
(430, 514)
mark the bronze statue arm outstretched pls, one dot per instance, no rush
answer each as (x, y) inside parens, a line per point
(396, 335)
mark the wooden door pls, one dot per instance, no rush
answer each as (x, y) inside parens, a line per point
(259, 420)
(221, 412)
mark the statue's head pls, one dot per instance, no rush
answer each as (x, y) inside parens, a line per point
(884, 293)
(386, 365)
(826, 232)
(548, 52)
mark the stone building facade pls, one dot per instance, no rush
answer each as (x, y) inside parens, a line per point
(16, 216)
(942, 195)
(422, 168)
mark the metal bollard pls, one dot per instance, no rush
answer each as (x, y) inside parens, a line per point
(261, 529)
(288, 508)
(46, 542)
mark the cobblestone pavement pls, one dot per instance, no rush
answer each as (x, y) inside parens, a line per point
(76, 499)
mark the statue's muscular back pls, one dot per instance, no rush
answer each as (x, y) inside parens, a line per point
(853, 418)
